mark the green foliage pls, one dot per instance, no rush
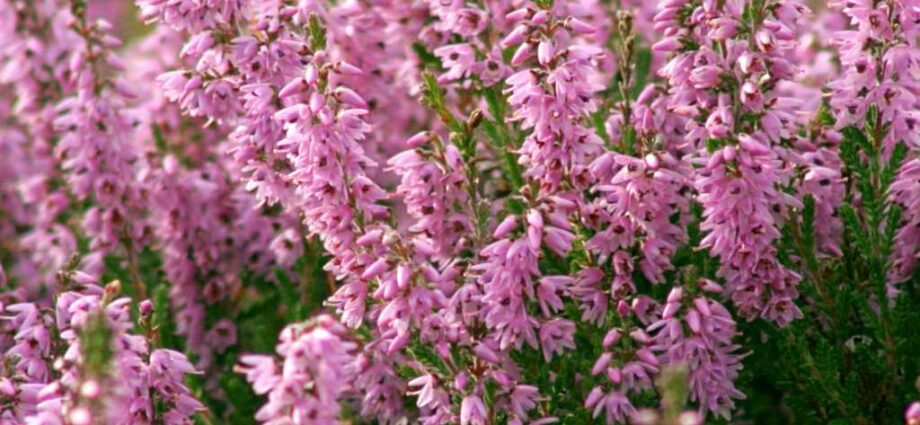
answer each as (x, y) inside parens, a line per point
(643, 62)
(96, 347)
(270, 304)
(853, 358)
(428, 59)
(293, 295)
(317, 33)
(501, 137)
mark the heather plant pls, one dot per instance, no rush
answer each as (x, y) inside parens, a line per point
(459, 211)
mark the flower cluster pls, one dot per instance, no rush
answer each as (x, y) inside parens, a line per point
(726, 88)
(458, 211)
(82, 365)
(318, 367)
(877, 87)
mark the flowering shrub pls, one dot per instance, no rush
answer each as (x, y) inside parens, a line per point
(459, 211)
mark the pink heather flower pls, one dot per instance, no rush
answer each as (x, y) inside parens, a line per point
(95, 150)
(550, 291)
(186, 16)
(555, 336)
(382, 390)
(457, 17)
(472, 411)
(558, 147)
(621, 376)
(317, 355)
(457, 59)
(639, 198)
(300, 145)
(824, 182)
(912, 414)
(199, 212)
(705, 77)
(433, 399)
(434, 191)
(738, 184)
(883, 78)
(614, 405)
(29, 357)
(592, 298)
(523, 399)
(707, 349)
(167, 373)
(124, 391)
(222, 335)
(322, 131)
(508, 273)
(905, 190)
(372, 43)
(32, 342)
(507, 276)
(727, 198)
(493, 70)
(239, 133)
(287, 247)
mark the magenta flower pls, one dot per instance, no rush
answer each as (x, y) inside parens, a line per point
(317, 365)
(438, 193)
(912, 414)
(472, 411)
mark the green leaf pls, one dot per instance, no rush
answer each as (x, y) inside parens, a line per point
(825, 117)
(713, 144)
(289, 297)
(600, 126)
(854, 135)
(808, 223)
(898, 154)
(162, 319)
(643, 61)
(429, 60)
(317, 33)
(854, 229)
(96, 346)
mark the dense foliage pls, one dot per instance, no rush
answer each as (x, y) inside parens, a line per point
(459, 211)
